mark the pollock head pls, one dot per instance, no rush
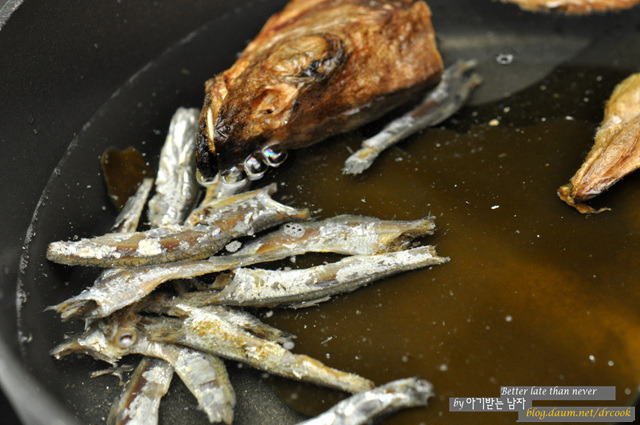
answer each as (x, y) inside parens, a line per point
(250, 112)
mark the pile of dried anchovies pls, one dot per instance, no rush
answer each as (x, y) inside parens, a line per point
(190, 332)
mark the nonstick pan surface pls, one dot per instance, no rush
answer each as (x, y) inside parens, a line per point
(534, 294)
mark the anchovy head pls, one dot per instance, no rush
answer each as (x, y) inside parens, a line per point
(108, 340)
(251, 113)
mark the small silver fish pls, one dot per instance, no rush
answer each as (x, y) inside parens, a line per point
(122, 334)
(303, 287)
(240, 215)
(139, 402)
(177, 188)
(452, 92)
(206, 377)
(344, 234)
(366, 407)
(209, 330)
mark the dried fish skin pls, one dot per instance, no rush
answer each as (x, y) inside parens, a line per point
(454, 89)
(366, 407)
(176, 186)
(205, 329)
(139, 402)
(238, 216)
(343, 234)
(361, 59)
(270, 288)
(616, 151)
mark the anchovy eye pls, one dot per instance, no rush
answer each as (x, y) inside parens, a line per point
(254, 168)
(274, 155)
(233, 175)
(125, 338)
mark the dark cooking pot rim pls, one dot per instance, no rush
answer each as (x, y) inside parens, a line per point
(16, 382)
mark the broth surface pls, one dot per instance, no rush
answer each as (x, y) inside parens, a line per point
(534, 294)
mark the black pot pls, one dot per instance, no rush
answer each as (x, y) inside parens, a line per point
(81, 76)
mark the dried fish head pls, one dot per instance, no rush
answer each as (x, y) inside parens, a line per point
(249, 131)
(317, 68)
(98, 342)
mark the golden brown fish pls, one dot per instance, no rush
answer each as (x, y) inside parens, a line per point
(574, 6)
(616, 151)
(317, 68)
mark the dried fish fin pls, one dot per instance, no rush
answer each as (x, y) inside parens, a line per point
(364, 408)
(206, 330)
(216, 225)
(139, 402)
(176, 186)
(454, 89)
(616, 151)
(269, 288)
(129, 217)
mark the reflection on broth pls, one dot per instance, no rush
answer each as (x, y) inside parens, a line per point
(534, 294)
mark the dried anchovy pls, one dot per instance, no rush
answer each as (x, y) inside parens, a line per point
(176, 186)
(438, 105)
(121, 334)
(237, 216)
(139, 402)
(303, 287)
(208, 329)
(363, 408)
(345, 234)
(206, 377)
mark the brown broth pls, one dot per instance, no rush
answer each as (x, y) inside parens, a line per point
(534, 294)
